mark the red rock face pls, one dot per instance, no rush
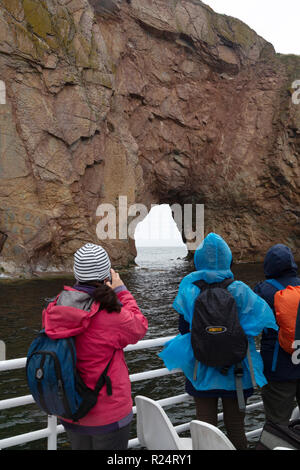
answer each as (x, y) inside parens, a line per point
(162, 102)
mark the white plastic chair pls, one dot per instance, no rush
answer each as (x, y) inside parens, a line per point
(295, 413)
(207, 437)
(155, 430)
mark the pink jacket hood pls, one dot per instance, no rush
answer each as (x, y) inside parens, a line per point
(61, 320)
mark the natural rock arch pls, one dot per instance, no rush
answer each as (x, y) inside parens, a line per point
(161, 102)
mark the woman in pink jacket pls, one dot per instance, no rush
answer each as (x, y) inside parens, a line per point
(104, 318)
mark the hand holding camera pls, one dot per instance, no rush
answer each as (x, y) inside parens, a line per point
(115, 280)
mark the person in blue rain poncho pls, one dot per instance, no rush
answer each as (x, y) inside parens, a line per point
(213, 260)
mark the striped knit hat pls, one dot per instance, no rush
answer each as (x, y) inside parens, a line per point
(91, 263)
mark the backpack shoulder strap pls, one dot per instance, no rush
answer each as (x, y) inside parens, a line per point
(226, 283)
(275, 284)
(238, 375)
(204, 285)
(251, 368)
(201, 284)
(104, 379)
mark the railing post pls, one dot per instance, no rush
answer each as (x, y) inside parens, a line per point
(52, 427)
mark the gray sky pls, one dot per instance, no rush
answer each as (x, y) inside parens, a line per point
(158, 229)
(276, 21)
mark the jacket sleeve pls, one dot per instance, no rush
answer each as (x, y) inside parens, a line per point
(254, 313)
(132, 325)
(266, 292)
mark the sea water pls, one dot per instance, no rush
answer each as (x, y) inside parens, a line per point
(154, 282)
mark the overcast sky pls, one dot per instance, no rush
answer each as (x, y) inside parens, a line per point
(158, 228)
(278, 22)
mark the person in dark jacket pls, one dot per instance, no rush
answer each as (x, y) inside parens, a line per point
(283, 375)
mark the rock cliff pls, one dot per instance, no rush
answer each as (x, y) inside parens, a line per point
(161, 102)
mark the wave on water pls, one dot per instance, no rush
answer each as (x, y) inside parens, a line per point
(154, 258)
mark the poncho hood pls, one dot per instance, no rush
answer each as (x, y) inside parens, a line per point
(213, 258)
(279, 261)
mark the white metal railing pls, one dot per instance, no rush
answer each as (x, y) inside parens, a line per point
(53, 429)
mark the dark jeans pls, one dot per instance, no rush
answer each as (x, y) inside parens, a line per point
(116, 440)
(280, 398)
(207, 411)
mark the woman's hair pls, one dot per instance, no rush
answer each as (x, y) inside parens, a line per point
(105, 296)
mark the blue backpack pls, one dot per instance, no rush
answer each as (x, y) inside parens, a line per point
(54, 381)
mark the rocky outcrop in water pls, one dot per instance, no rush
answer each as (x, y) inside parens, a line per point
(162, 102)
